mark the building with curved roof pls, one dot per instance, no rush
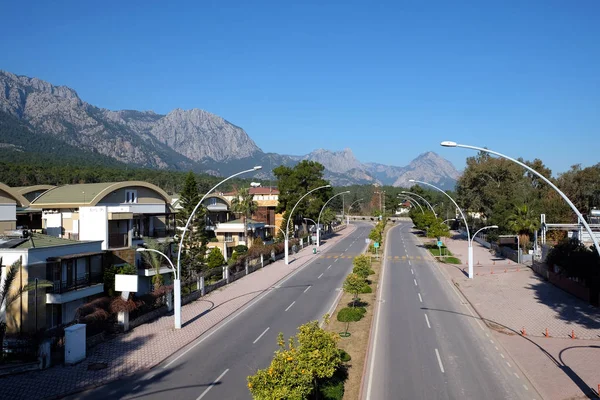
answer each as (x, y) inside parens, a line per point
(118, 213)
(10, 200)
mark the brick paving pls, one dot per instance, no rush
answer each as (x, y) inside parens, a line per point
(511, 297)
(151, 343)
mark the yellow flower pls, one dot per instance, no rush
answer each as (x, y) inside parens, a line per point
(249, 385)
(290, 358)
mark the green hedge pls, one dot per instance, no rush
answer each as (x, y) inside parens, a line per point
(351, 314)
(366, 289)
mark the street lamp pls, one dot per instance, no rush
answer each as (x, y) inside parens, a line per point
(411, 200)
(177, 281)
(140, 249)
(321, 212)
(349, 207)
(314, 223)
(422, 198)
(287, 227)
(449, 219)
(542, 177)
(470, 253)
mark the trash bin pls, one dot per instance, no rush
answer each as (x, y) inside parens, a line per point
(314, 250)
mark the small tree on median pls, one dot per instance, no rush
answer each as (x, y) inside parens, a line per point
(353, 285)
(361, 266)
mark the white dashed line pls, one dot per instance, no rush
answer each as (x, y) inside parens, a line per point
(437, 353)
(525, 386)
(319, 277)
(336, 260)
(420, 298)
(306, 290)
(329, 267)
(212, 384)
(427, 320)
(491, 341)
(137, 387)
(415, 282)
(290, 306)
(509, 366)
(517, 375)
(411, 271)
(261, 335)
(501, 355)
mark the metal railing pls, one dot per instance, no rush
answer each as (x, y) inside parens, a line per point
(84, 281)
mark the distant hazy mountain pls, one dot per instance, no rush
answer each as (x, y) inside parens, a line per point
(53, 118)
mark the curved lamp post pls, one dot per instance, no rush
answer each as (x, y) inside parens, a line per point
(349, 207)
(314, 223)
(141, 249)
(287, 227)
(422, 198)
(449, 219)
(411, 200)
(542, 177)
(177, 281)
(321, 212)
(470, 253)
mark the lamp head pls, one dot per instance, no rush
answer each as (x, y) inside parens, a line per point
(140, 249)
(347, 191)
(448, 143)
(257, 167)
(327, 186)
(494, 226)
(411, 180)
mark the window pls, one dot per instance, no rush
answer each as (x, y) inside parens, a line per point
(131, 196)
(228, 237)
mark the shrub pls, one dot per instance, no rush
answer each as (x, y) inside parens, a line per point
(241, 249)
(366, 289)
(215, 258)
(351, 314)
(233, 259)
(345, 356)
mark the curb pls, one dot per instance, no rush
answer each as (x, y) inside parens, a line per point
(148, 368)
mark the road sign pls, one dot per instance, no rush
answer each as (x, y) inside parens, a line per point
(376, 245)
(440, 243)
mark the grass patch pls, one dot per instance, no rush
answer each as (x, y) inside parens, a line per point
(442, 254)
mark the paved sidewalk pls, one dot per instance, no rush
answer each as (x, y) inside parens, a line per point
(151, 343)
(511, 297)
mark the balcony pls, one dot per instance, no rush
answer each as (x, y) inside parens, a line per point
(117, 240)
(66, 291)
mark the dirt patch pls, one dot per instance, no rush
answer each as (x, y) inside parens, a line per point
(356, 344)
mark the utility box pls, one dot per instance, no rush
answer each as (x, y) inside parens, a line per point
(74, 344)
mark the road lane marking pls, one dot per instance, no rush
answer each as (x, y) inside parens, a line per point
(415, 282)
(427, 319)
(409, 262)
(437, 353)
(290, 306)
(507, 363)
(517, 375)
(411, 271)
(319, 277)
(212, 384)
(329, 267)
(491, 341)
(136, 387)
(525, 386)
(420, 298)
(336, 259)
(497, 348)
(261, 335)
(501, 355)
(306, 290)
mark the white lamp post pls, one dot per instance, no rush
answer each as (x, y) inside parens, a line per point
(314, 223)
(287, 227)
(470, 251)
(422, 198)
(449, 219)
(177, 281)
(542, 177)
(411, 200)
(349, 207)
(321, 212)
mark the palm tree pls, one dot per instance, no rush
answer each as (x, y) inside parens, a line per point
(155, 260)
(523, 223)
(245, 205)
(8, 295)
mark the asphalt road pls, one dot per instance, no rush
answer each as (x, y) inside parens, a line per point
(216, 365)
(427, 343)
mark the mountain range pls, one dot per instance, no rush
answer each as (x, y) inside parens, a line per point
(36, 117)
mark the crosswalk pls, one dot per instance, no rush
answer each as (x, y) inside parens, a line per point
(390, 258)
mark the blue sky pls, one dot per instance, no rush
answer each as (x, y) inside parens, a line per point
(389, 79)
